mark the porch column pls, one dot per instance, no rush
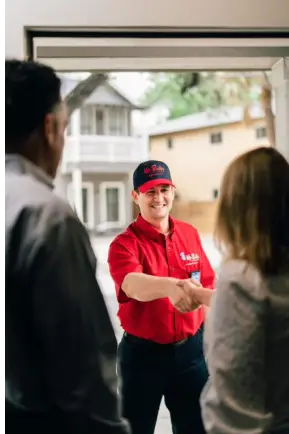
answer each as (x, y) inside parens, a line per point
(76, 173)
(280, 83)
(77, 191)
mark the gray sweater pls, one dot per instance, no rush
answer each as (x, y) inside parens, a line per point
(247, 348)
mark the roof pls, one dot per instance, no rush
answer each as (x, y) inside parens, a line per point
(206, 119)
(69, 83)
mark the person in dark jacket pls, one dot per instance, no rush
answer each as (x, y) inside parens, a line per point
(60, 343)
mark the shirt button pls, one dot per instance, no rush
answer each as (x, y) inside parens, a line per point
(173, 269)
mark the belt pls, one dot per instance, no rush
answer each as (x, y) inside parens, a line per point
(135, 339)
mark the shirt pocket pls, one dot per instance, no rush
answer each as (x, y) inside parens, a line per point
(193, 271)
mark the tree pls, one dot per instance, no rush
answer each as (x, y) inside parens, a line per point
(192, 92)
(170, 89)
(266, 103)
(248, 88)
(83, 90)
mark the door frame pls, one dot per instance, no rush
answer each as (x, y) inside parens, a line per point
(219, 49)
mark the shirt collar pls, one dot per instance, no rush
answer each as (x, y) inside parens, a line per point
(18, 164)
(149, 231)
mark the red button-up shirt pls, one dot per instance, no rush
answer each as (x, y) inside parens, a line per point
(142, 249)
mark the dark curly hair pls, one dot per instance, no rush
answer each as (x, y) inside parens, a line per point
(32, 90)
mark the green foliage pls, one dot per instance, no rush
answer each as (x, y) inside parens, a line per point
(188, 93)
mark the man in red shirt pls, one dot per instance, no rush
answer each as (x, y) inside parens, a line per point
(161, 352)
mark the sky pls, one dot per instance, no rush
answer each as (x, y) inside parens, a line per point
(133, 84)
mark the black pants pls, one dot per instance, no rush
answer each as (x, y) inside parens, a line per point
(150, 371)
(61, 422)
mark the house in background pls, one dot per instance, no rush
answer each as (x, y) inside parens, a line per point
(101, 151)
(198, 148)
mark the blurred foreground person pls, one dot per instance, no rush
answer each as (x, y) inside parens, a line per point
(247, 331)
(60, 344)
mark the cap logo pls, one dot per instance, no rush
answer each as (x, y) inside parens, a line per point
(154, 169)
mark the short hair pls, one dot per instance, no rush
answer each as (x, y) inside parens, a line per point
(252, 217)
(32, 90)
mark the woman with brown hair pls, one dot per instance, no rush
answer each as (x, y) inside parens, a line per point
(247, 331)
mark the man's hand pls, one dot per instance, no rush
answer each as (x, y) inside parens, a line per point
(198, 292)
(183, 300)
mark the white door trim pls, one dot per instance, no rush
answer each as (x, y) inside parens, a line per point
(121, 204)
(89, 186)
(147, 54)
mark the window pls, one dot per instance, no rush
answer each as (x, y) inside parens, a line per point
(87, 191)
(112, 204)
(215, 193)
(117, 121)
(99, 122)
(216, 138)
(122, 119)
(84, 205)
(261, 132)
(88, 204)
(170, 143)
(86, 120)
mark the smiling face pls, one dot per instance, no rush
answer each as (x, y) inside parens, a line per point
(156, 203)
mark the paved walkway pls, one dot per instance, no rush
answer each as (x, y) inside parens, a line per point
(163, 423)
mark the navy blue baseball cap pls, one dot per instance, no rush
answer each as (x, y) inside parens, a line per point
(151, 173)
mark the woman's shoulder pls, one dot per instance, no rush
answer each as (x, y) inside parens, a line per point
(239, 269)
(243, 276)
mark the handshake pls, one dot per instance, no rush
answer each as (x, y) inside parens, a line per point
(189, 295)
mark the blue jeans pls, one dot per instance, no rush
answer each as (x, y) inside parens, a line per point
(150, 371)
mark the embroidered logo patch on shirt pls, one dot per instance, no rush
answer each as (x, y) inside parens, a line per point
(190, 257)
